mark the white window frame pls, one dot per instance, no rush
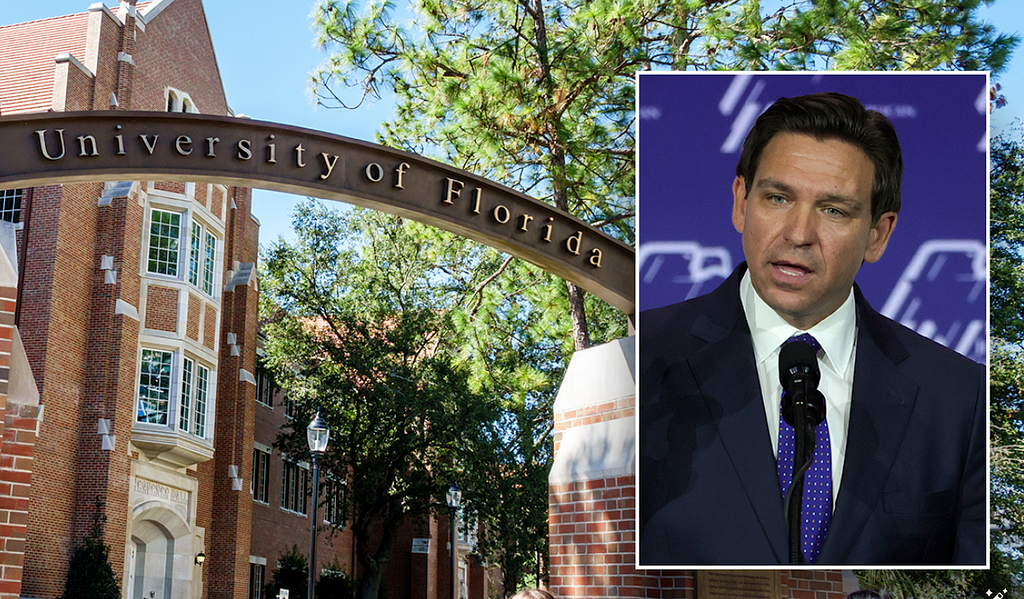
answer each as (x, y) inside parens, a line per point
(194, 397)
(198, 421)
(300, 468)
(150, 234)
(179, 101)
(168, 391)
(264, 386)
(199, 270)
(261, 475)
(14, 196)
(202, 257)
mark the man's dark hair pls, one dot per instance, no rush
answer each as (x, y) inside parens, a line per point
(832, 116)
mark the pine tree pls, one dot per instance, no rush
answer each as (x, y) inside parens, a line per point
(90, 575)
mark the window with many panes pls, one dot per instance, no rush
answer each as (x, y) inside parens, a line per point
(264, 386)
(260, 475)
(154, 386)
(157, 375)
(164, 234)
(195, 390)
(290, 408)
(334, 503)
(256, 574)
(167, 233)
(293, 488)
(10, 205)
(202, 259)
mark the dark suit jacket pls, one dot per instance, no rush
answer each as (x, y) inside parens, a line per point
(914, 480)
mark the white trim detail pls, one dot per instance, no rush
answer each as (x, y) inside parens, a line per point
(245, 375)
(123, 307)
(122, 57)
(99, 6)
(67, 57)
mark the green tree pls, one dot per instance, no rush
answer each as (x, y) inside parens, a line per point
(291, 572)
(90, 575)
(358, 328)
(539, 95)
(335, 583)
(505, 473)
(1006, 362)
(1006, 272)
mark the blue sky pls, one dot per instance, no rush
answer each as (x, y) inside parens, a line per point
(265, 51)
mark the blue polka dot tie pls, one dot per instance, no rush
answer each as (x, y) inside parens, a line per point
(817, 497)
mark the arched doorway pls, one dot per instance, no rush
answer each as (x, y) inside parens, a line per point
(159, 554)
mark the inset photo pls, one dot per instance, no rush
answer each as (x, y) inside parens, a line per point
(812, 300)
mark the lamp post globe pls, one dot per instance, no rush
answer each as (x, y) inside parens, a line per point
(317, 435)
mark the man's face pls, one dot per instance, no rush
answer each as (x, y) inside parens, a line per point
(806, 224)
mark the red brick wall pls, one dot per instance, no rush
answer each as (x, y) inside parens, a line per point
(192, 325)
(171, 53)
(161, 308)
(210, 327)
(202, 195)
(172, 186)
(79, 94)
(19, 431)
(230, 533)
(112, 355)
(59, 274)
(16, 465)
(217, 201)
(105, 70)
(813, 584)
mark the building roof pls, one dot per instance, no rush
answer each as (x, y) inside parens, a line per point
(27, 52)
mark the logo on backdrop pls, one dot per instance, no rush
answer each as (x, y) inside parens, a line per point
(943, 274)
(686, 267)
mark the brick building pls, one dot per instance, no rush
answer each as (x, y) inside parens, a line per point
(134, 383)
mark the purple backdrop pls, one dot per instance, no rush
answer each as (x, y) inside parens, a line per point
(932, 277)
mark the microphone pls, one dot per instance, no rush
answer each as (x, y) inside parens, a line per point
(799, 374)
(803, 407)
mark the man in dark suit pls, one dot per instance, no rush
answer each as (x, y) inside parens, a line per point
(899, 465)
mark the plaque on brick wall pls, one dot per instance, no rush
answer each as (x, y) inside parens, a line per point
(729, 584)
(421, 545)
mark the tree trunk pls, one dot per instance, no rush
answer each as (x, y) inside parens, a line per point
(559, 186)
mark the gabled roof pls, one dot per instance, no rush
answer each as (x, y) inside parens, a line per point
(27, 67)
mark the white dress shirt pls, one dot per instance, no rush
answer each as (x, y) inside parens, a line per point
(837, 335)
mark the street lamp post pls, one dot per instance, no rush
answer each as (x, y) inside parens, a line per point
(454, 496)
(317, 435)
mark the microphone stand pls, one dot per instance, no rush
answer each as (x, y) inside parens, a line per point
(808, 410)
(803, 457)
(803, 408)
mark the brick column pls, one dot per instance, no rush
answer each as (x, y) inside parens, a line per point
(19, 401)
(111, 361)
(592, 492)
(226, 573)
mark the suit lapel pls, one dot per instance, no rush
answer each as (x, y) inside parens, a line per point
(882, 402)
(727, 376)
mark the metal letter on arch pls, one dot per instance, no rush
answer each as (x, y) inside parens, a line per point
(50, 148)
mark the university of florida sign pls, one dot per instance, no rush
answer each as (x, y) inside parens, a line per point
(50, 148)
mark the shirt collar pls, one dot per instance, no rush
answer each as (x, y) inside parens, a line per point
(768, 330)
